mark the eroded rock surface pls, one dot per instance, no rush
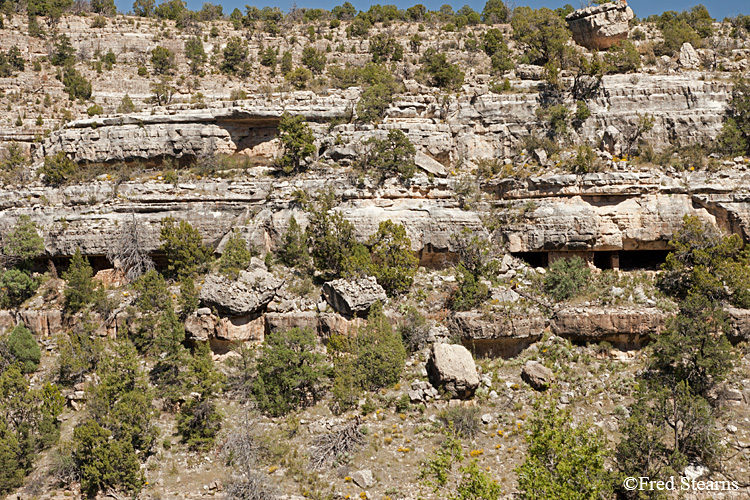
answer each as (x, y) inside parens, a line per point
(248, 294)
(628, 327)
(600, 26)
(349, 297)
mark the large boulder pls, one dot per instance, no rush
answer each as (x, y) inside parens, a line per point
(689, 58)
(600, 26)
(248, 294)
(430, 165)
(350, 297)
(452, 367)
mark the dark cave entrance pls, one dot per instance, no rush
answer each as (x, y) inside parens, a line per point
(534, 259)
(634, 260)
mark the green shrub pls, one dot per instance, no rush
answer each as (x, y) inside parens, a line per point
(122, 403)
(495, 11)
(585, 160)
(16, 285)
(565, 460)
(237, 95)
(22, 345)
(359, 28)
(330, 237)
(104, 463)
(76, 84)
(293, 250)
(126, 105)
(373, 103)
(643, 449)
(463, 420)
(414, 329)
(162, 91)
(195, 54)
(556, 118)
(269, 58)
(199, 421)
(297, 141)
(493, 44)
(314, 59)
(706, 262)
(384, 47)
(80, 289)
(678, 28)
(13, 159)
(58, 169)
(235, 257)
(299, 78)
(12, 469)
(470, 292)
(437, 469)
(28, 424)
(623, 58)
(566, 278)
(109, 59)
(543, 34)
(183, 246)
(95, 110)
(380, 353)
(735, 133)
(582, 113)
(11, 62)
(393, 262)
(235, 57)
(172, 357)
(286, 63)
(290, 372)
(153, 294)
(694, 347)
(441, 73)
(80, 353)
(189, 299)
(731, 140)
(23, 243)
(392, 156)
(63, 54)
(371, 360)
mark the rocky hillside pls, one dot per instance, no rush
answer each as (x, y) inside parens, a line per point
(315, 260)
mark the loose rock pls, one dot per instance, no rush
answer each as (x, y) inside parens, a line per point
(452, 367)
(348, 297)
(538, 376)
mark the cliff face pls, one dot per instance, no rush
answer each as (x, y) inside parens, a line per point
(624, 216)
(552, 213)
(476, 125)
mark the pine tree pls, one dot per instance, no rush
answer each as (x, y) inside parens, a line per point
(293, 251)
(80, 290)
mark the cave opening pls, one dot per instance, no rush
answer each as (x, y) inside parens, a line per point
(633, 260)
(606, 260)
(534, 259)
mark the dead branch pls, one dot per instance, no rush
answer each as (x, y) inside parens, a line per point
(329, 446)
(129, 253)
